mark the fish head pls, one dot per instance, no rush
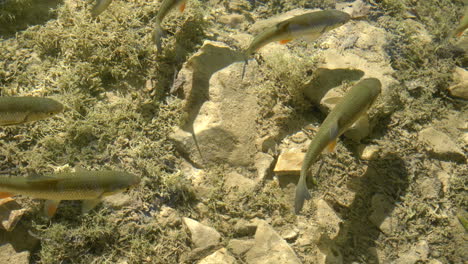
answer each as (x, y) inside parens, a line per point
(47, 108)
(375, 87)
(120, 182)
(336, 18)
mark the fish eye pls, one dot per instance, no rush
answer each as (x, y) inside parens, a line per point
(50, 113)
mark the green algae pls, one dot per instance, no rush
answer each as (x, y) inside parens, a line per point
(99, 69)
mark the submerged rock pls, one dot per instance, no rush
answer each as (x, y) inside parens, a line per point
(232, 20)
(202, 236)
(429, 188)
(460, 88)
(118, 200)
(329, 254)
(418, 253)
(354, 56)
(236, 184)
(240, 246)
(10, 213)
(356, 9)
(327, 218)
(290, 235)
(9, 255)
(289, 163)
(444, 179)
(168, 217)
(270, 248)
(20, 238)
(381, 217)
(245, 228)
(439, 144)
(368, 152)
(220, 256)
(263, 164)
(220, 111)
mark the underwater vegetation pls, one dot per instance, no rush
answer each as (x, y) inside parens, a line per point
(112, 67)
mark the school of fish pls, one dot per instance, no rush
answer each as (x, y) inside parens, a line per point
(92, 186)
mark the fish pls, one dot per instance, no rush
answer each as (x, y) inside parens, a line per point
(462, 216)
(458, 32)
(89, 186)
(347, 111)
(310, 25)
(20, 110)
(166, 7)
(99, 7)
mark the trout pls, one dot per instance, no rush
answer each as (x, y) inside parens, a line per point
(89, 186)
(310, 25)
(458, 32)
(20, 110)
(166, 7)
(99, 7)
(348, 110)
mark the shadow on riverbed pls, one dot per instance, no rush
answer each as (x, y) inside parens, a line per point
(377, 193)
(19, 15)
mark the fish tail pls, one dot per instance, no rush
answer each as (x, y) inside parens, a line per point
(302, 194)
(158, 34)
(243, 68)
(246, 55)
(99, 7)
(197, 146)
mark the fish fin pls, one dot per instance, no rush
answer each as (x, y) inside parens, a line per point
(331, 147)
(459, 34)
(362, 120)
(88, 205)
(197, 146)
(284, 41)
(158, 34)
(6, 200)
(243, 69)
(182, 7)
(333, 136)
(302, 194)
(50, 207)
(324, 29)
(334, 130)
(311, 37)
(332, 101)
(4, 195)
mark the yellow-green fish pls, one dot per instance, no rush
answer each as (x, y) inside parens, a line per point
(348, 110)
(99, 7)
(89, 186)
(458, 32)
(310, 25)
(166, 7)
(19, 110)
(462, 216)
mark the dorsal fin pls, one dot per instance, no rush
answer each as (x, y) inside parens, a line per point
(182, 7)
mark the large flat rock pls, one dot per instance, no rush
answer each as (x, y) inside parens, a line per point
(270, 248)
